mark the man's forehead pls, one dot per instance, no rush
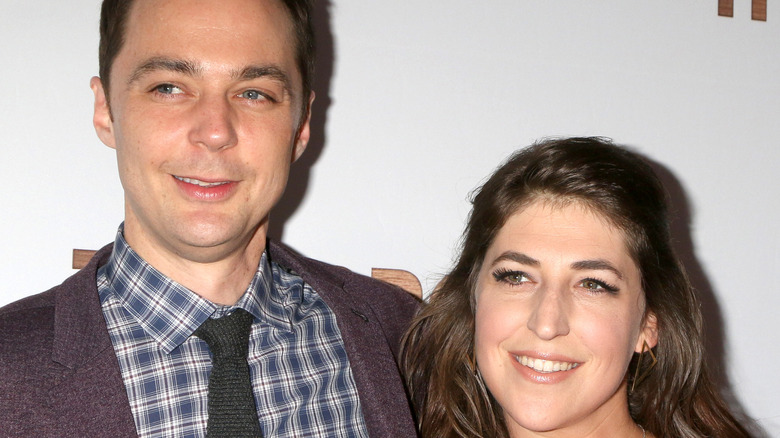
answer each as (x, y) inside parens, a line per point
(257, 30)
(271, 17)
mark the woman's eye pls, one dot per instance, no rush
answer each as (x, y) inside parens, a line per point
(590, 284)
(168, 89)
(597, 286)
(511, 277)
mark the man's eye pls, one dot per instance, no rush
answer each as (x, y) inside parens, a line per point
(252, 95)
(168, 89)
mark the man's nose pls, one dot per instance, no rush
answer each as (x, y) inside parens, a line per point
(213, 123)
(549, 316)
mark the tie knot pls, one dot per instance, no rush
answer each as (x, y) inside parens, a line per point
(227, 336)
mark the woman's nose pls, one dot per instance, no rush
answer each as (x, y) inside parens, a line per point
(549, 316)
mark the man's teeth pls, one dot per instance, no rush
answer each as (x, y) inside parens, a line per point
(200, 183)
(545, 366)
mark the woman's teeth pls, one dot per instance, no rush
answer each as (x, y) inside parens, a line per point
(545, 366)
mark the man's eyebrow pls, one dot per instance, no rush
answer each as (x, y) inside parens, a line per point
(596, 265)
(188, 68)
(518, 257)
(266, 71)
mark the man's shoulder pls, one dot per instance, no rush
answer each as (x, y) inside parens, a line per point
(31, 313)
(27, 325)
(26, 335)
(33, 303)
(26, 329)
(349, 293)
(54, 350)
(317, 272)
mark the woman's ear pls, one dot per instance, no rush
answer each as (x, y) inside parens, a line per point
(649, 332)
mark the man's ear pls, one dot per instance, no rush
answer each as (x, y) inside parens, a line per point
(101, 118)
(649, 332)
(304, 133)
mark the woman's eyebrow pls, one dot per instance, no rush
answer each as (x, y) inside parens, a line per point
(518, 257)
(596, 265)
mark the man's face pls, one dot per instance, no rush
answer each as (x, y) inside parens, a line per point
(205, 101)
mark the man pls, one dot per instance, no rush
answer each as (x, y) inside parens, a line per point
(207, 103)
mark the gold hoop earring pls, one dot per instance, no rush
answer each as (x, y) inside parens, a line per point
(637, 377)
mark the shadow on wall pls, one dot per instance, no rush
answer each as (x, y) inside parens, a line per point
(299, 173)
(714, 331)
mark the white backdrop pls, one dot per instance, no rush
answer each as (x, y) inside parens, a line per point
(417, 102)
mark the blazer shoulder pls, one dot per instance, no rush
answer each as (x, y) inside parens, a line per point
(389, 305)
(362, 288)
(26, 340)
(28, 316)
(20, 307)
(27, 326)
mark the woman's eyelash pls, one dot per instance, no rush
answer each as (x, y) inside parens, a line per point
(509, 276)
(595, 283)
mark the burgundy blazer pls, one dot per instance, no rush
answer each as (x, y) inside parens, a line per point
(59, 375)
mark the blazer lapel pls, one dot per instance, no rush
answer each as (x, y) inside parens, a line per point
(385, 404)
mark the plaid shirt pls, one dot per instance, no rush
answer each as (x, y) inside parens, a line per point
(301, 378)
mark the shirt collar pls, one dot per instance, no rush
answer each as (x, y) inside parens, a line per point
(169, 312)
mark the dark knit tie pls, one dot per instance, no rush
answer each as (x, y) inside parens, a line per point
(232, 411)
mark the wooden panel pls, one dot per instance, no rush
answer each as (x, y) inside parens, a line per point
(403, 279)
(726, 8)
(759, 10)
(81, 257)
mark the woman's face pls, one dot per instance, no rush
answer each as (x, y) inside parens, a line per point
(559, 313)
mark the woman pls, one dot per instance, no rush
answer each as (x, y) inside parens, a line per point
(567, 311)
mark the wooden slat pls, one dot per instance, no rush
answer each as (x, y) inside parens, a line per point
(726, 8)
(403, 279)
(81, 257)
(759, 10)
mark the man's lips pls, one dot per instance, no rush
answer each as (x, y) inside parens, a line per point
(201, 189)
(201, 183)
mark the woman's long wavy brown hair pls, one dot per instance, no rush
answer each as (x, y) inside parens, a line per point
(676, 399)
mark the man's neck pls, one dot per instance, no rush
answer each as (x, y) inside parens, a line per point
(222, 282)
(220, 276)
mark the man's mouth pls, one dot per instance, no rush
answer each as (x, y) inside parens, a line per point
(200, 183)
(545, 366)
